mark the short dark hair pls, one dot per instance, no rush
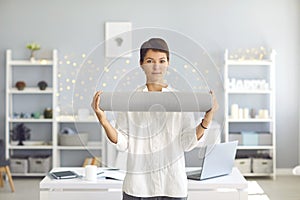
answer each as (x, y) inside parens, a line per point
(155, 44)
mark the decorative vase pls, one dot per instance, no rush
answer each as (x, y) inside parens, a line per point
(20, 85)
(32, 59)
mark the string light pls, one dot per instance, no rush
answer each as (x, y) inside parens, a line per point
(259, 53)
(69, 75)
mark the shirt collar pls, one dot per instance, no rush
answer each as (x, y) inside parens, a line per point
(145, 89)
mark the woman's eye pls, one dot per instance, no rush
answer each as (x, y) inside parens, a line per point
(162, 61)
(148, 61)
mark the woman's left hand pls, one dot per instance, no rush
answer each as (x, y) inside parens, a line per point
(210, 113)
(215, 105)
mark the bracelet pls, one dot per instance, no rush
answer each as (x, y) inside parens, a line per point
(203, 126)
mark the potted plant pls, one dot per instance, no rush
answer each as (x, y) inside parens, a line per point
(20, 85)
(33, 47)
(42, 85)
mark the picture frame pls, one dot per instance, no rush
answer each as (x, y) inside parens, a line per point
(118, 39)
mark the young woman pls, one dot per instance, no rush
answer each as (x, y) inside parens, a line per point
(155, 141)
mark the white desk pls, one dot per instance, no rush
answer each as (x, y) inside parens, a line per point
(230, 187)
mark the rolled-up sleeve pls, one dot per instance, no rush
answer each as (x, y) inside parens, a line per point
(122, 131)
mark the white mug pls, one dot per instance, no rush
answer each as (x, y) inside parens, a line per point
(91, 172)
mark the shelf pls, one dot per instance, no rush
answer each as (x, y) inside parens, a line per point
(244, 63)
(31, 90)
(30, 147)
(249, 120)
(41, 62)
(30, 120)
(255, 147)
(70, 119)
(90, 146)
(29, 174)
(245, 91)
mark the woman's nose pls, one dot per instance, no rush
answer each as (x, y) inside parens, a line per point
(156, 66)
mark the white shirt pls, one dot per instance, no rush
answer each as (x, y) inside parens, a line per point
(155, 143)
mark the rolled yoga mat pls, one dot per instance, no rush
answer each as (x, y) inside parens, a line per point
(156, 101)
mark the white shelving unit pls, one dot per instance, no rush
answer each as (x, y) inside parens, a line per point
(17, 102)
(246, 97)
(48, 130)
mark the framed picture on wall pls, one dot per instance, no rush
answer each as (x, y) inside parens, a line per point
(118, 39)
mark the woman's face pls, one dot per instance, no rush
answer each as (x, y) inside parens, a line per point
(155, 66)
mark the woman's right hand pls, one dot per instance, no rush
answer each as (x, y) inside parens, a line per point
(109, 130)
(95, 105)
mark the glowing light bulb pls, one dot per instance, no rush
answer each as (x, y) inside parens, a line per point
(43, 61)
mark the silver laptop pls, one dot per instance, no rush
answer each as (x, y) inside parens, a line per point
(218, 161)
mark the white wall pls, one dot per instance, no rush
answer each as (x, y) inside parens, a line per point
(75, 27)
